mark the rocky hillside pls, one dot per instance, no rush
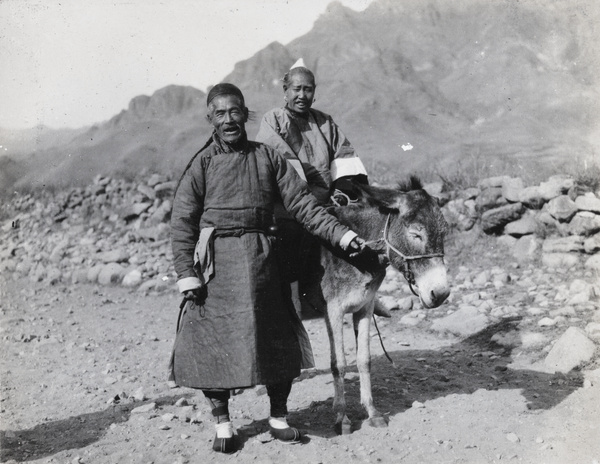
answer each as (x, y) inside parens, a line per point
(520, 88)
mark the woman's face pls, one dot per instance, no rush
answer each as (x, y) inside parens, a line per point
(300, 93)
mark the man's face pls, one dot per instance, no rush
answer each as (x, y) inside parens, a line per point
(228, 116)
(300, 93)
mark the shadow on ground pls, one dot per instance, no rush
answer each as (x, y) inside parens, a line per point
(72, 433)
(475, 363)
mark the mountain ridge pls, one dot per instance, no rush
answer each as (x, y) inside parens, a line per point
(501, 81)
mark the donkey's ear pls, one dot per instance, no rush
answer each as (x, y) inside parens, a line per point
(383, 198)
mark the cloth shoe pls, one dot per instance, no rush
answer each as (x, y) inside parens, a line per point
(224, 441)
(280, 430)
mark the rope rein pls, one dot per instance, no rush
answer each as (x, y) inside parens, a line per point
(406, 272)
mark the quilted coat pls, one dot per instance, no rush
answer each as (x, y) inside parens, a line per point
(246, 333)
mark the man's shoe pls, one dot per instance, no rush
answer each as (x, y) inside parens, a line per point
(288, 435)
(224, 445)
(280, 430)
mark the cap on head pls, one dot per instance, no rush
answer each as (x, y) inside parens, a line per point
(224, 89)
(297, 68)
(298, 64)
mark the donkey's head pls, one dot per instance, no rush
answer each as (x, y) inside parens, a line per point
(413, 237)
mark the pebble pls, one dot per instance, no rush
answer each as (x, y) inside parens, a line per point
(547, 322)
(512, 438)
(181, 402)
(139, 395)
(144, 408)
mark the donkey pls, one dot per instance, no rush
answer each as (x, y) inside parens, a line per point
(404, 227)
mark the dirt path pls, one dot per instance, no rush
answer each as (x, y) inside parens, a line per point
(78, 361)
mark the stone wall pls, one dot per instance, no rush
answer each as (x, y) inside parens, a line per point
(557, 220)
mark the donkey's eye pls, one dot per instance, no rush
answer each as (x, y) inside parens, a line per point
(416, 235)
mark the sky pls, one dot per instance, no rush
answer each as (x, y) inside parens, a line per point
(72, 63)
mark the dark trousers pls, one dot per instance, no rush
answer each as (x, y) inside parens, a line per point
(218, 400)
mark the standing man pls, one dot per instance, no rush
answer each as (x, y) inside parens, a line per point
(238, 328)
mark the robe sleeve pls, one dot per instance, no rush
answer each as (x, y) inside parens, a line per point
(268, 133)
(303, 206)
(188, 206)
(344, 160)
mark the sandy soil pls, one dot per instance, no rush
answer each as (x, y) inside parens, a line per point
(77, 361)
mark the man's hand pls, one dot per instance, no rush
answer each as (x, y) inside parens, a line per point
(197, 295)
(356, 246)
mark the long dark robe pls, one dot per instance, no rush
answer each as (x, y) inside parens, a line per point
(244, 334)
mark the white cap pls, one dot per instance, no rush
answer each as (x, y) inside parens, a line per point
(298, 64)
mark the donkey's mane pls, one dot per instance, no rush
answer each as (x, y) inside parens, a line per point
(412, 183)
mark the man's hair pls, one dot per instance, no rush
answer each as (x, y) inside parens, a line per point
(224, 88)
(287, 78)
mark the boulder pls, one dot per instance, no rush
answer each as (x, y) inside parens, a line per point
(111, 273)
(133, 278)
(495, 219)
(512, 188)
(571, 350)
(460, 214)
(562, 208)
(573, 243)
(466, 321)
(592, 330)
(584, 223)
(490, 198)
(523, 226)
(560, 260)
(592, 245)
(147, 191)
(555, 186)
(532, 197)
(526, 248)
(93, 272)
(588, 202)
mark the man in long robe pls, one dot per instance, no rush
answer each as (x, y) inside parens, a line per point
(323, 156)
(238, 328)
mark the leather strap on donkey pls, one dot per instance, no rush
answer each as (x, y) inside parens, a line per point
(406, 259)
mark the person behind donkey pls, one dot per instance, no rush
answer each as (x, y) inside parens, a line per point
(237, 327)
(323, 157)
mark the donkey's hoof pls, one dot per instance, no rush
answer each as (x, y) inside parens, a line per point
(344, 427)
(378, 422)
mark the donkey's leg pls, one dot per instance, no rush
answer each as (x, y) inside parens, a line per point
(334, 319)
(362, 324)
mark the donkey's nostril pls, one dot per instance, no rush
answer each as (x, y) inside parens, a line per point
(439, 296)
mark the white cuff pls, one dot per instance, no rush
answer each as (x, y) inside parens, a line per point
(188, 283)
(342, 167)
(347, 238)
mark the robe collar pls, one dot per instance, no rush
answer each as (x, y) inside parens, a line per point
(295, 114)
(241, 146)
